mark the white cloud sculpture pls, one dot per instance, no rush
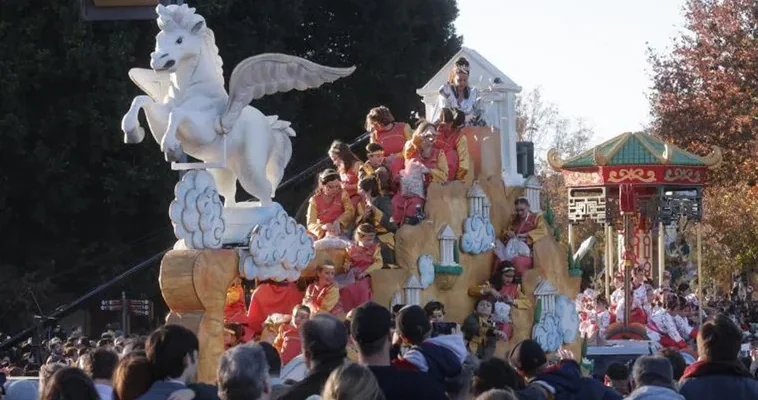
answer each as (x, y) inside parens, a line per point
(547, 332)
(426, 270)
(478, 235)
(279, 250)
(197, 212)
(565, 309)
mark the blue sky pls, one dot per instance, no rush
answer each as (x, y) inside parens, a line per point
(588, 56)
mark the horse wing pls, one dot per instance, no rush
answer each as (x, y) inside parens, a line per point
(271, 73)
(154, 83)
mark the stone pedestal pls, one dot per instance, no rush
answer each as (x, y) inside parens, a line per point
(194, 285)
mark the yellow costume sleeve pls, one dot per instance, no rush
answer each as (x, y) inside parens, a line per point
(348, 216)
(464, 160)
(373, 137)
(541, 229)
(409, 150)
(378, 261)
(521, 302)
(439, 174)
(314, 226)
(408, 132)
(330, 299)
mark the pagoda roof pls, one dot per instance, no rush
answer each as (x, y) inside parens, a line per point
(634, 149)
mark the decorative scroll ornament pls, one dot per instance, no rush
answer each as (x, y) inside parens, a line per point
(632, 174)
(478, 235)
(682, 174)
(576, 178)
(714, 159)
(554, 159)
(279, 250)
(196, 212)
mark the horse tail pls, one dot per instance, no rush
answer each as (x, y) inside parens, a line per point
(281, 151)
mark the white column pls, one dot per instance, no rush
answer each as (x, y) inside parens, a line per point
(430, 105)
(508, 135)
(533, 190)
(661, 253)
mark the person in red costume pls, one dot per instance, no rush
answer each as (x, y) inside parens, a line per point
(330, 210)
(363, 258)
(502, 286)
(287, 341)
(528, 227)
(235, 312)
(453, 143)
(421, 148)
(387, 132)
(271, 297)
(324, 294)
(348, 165)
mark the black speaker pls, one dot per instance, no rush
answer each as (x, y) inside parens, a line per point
(525, 158)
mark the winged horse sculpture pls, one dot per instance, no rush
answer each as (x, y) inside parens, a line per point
(189, 111)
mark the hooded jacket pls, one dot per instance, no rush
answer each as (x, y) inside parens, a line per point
(654, 393)
(441, 357)
(566, 382)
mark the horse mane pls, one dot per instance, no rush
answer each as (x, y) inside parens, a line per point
(182, 17)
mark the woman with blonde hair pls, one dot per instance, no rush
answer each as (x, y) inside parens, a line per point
(352, 381)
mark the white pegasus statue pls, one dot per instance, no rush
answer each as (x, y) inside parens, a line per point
(188, 109)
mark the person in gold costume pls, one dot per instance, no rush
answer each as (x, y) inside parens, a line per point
(527, 227)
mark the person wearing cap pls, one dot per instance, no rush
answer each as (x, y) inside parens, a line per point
(370, 328)
(330, 210)
(653, 380)
(562, 380)
(441, 357)
(718, 373)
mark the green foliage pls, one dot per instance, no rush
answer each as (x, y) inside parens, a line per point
(79, 205)
(550, 220)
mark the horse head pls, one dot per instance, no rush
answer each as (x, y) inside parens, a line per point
(181, 37)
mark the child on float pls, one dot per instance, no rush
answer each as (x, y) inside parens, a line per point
(663, 323)
(452, 141)
(638, 301)
(235, 309)
(323, 295)
(376, 166)
(602, 315)
(480, 331)
(681, 320)
(502, 285)
(287, 341)
(363, 257)
(421, 148)
(617, 295)
(435, 311)
(376, 210)
(408, 203)
(330, 211)
(348, 165)
(388, 133)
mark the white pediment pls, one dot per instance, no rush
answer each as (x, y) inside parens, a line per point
(483, 73)
(545, 288)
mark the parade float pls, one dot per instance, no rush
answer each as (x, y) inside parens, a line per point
(637, 187)
(189, 111)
